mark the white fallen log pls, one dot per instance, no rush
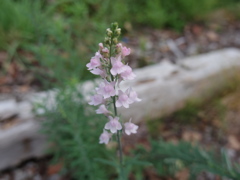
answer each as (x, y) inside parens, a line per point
(21, 142)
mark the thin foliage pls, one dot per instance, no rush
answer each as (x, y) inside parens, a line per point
(72, 130)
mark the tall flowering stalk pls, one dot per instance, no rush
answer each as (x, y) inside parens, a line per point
(109, 64)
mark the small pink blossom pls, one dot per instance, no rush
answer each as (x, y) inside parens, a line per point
(106, 89)
(119, 46)
(117, 66)
(96, 100)
(100, 45)
(105, 137)
(115, 59)
(127, 74)
(102, 110)
(129, 128)
(123, 100)
(113, 125)
(100, 72)
(102, 48)
(132, 96)
(95, 61)
(105, 50)
(125, 51)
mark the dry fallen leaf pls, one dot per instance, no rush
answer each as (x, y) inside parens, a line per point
(191, 136)
(182, 175)
(54, 169)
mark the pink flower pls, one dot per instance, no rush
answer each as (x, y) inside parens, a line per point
(105, 137)
(105, 50)
(106, 89)
(130, 128)
(113, 125)
(125, 51)
(100, 72)
(100, 45)
(109, 64)
(123, 100)
(94, 62)
(127, 74)
(96, 100)
(117, 66)
(132, 96)
(102, 110)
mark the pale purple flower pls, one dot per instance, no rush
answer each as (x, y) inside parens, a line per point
(100, 45)
(113, 125)
(105, 137)
(117, 66)
(123, 100)
(100, 72)
(119, 47)
(94, 62)
(113, 70)
(132, 96)
(96, 100)
(114, 59)
(102, 110)
(105, 50)
(127, 74)
(106, 89)
(125, 51)
(130, 128)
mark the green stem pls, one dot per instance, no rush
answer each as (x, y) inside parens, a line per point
(120, 155)
(115, 113)
(119, 143)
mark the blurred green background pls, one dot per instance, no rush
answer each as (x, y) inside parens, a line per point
(54, 39)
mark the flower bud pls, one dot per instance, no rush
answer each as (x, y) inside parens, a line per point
(100, 45)
(118, 31)
(117, 50)
(105, 54)
(115, 40)
(107, 40)
(114, 25)
(109, 32)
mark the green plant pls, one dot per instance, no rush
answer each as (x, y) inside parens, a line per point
(19, 22)
(168, 158)
(73, 129)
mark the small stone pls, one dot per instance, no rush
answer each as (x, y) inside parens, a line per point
(37, 177)
(20, 175)
(192, 49)
(54, 177)
(192, 136)
(233, 142)
(212, 36)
